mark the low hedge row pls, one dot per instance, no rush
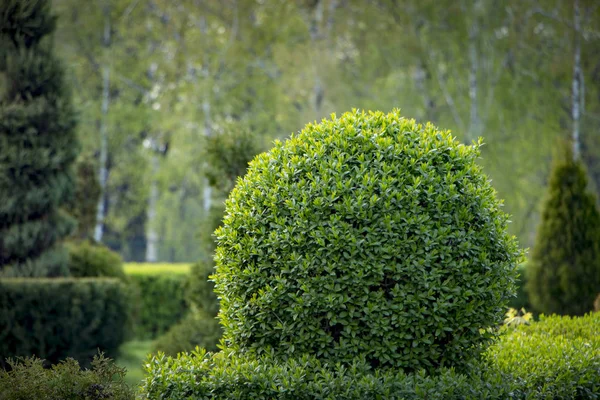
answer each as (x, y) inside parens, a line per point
(56, 318)
(160, 292)
(528, 362)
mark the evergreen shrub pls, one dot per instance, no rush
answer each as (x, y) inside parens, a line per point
(367, 235)
(28, 379)
(159, 302)
(196, 329)
(87, 259)
(556, 358)
(38, 144)
(57, 318)
(200, 326)
(564, 269)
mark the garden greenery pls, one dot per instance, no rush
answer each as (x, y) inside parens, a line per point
(367, 235)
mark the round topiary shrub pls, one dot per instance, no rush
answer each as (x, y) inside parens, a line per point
(365, 236)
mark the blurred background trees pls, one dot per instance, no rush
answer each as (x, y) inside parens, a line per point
(154, 79)
(174, 97)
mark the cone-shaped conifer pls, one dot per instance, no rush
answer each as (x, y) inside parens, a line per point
(37, 143)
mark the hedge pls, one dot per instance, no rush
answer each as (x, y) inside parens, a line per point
(160, 297)
(56, 318)
(554, 358)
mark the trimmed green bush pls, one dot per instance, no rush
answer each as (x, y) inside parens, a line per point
(38, 143)
(564, 269)
(94, 260)
(196, 329)
(62, 317)
(28, 379)
(529, 362)
(160, 302)
(230, 376)
(367, 235)
(555, 358)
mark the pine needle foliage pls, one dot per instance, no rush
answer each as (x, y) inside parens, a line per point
(38, 143)
(564, 271)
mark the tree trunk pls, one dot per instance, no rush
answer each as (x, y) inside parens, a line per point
(103, 167)
(576, 84)
(206, 110)
(315, 36)
(151, 234)
(473, 132)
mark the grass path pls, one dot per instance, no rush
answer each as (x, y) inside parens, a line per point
(132, 356)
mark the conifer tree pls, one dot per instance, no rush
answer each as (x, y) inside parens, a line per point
(38, 143)
(564, 272)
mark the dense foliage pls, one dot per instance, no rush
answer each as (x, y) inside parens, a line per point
(62, 317)
(28, 379)
(556, 358)
(38, 143)
(87, 259)
(159, 302)
(365, 235)
(564, 270)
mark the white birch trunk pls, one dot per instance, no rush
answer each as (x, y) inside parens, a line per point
(576, 84)
(315, 36)
(473, 132)
(151, 234)
(103, 167)
(206, 110)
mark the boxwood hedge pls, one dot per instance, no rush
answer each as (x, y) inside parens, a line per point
(557, 358)
(56, 318)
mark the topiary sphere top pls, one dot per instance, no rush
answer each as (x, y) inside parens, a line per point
(367, 235)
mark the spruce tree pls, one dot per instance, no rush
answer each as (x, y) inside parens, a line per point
(564, 271)
(38, 143)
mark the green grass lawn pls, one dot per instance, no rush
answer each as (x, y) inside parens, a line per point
(156, 268)
(132, 356)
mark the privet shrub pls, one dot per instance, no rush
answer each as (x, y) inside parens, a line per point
(564, 270)
(366, 235)
(529, 362)
(94, 260)
(28, 379)
(38, 143)
(61, 317)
